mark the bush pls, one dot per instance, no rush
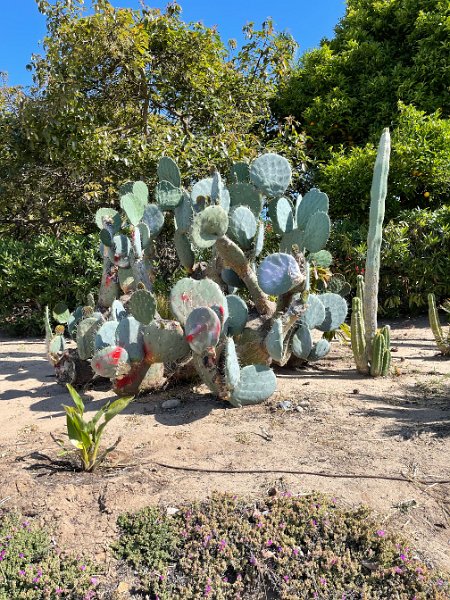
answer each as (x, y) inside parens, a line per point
(419, 175)
(285, 547)
(415, 258)
(44, 270)
(33, 569)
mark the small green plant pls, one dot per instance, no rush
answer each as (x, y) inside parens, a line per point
(442, 338)
(86, 435)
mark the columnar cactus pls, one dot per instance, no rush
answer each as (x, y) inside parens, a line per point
(371, 348)
(442, 338)
(230, 345)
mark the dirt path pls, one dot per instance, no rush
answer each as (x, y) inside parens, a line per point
(344, 424)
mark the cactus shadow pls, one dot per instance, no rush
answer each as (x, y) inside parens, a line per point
(192, 408)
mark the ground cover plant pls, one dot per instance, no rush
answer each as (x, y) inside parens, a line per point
(32, 568)
(285, 547)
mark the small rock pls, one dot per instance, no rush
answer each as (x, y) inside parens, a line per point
(299, 408)
(171, 510)
(272, 491)
(304, 403)
(285, 405)
(171, 403)
(356, 391)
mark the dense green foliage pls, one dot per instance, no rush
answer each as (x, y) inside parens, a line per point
(415, 258)
(41, 271)
(285, 547)
(32, 568)
(146, 84)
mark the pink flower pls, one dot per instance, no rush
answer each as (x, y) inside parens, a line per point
(381, 533)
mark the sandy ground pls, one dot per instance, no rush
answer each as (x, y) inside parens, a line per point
(345, 424)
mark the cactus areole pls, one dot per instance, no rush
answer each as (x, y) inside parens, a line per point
(230, 342)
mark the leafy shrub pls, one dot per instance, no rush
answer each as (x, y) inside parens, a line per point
(32, 568)
(419, 173)
(415, 258)
(41, 271)
(285, 547)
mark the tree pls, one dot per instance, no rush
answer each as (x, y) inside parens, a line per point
(118, 88)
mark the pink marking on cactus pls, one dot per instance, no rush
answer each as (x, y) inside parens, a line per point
(123, 381)
(184, 297)
(222, 310)
(116, 355)
(189, 338)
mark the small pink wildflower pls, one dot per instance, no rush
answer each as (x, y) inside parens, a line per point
(381, 533)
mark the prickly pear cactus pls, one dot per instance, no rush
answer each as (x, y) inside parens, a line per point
(229, 340)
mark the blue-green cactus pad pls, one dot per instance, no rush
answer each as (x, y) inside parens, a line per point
(184, 214)
(121, 250)
(168, 171)
(244, 194)
(107, 359)
(154, 219)
(292, 238)
(209, 225)
(74, 319)
(144, 233)
(237, 314)
(242, 226)
(322, 258)
(61, 313)
(240, 172)
(271, 174)
(184, 250)
(202, 329)
(335, 311)
(232, 371)
(126, 280)
(274, 340)
(108, 216)
(118, 311)
(256, 384)
(129, 335)
(167, 195)
(138, 188)
(86, 332)
(203, 189)
(312, 202)
(109, 289)
(188, 294)
(280, 213)
(231, 278)
(106, 335)
(317, 231)
(164, 342)
(315, 312)
(142, 306)
(259, 240)
(278, 273)
(105, 238)
(57, 344)
(319, 350)
(133, 206)
(302, 342)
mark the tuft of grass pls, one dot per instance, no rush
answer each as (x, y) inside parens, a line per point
(285, 547)
(32, 568)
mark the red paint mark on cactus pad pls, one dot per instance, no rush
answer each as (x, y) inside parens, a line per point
(222, 310)
(189, 338)
(116, 355)
(184, 297)
(124, 381)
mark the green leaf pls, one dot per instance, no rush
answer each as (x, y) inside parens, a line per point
(76, 398)
(117, 407)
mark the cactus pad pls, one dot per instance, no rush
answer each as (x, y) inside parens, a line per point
(280, 213)
(61, 313)
(244, 194)
(183, 214)
(57, 344)
(231, 278)
(188, 294)
(167, 195)
(237, 314)
(184, 249)
(142, 306)
(312, 202)
(242, 226)
(129, 336)
(153, 218)
(126, 280)
(256, 384)
(335, 311)
(110, 217)
(168, 171)
(315, 312)
(317, 231)
(106, 360)
(134, 207)
(203, 192)
(164, 342)
(274, 340)
(240, 173)
(232, 371)
(202, 329)
(278, 273)
(319, 350)
(106, 335)
(302, 342)
(271, 174)
(86, 333)
(118, 311)
(209, 225)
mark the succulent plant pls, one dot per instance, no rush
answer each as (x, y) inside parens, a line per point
(442, 338)
(229, 341)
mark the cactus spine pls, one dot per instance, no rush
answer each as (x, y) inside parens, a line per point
(442, 340)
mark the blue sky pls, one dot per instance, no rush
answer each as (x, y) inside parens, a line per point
(22, 27)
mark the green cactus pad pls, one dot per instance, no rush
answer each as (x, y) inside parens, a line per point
(240, 173)
(280, 213)
(138, 188)
(168, 171)
(188, 294)
(278, 273)
(237, 314)
(126, 280)
(167, 195)
(109, 289)
(184, 250)
(319, 350)
(274, 340)
(231, 278)
(256, 384)
(164, 342)
(244, 194)
(312, 202)
(202, 329)
(121, 250)
(335, 311)
(109, 216)
(242, 227)
(203, 191)
(61, 313)
(302, 342)
(184, 214)
(86, 332)
(133, 206)
(259, 240)
(232, 371)
(129, 336)
(118, 311)
(144, 232)
(317, 231)
(74, 319)
(153, 218)
(271, 174)
(137, 378)
(209, 225)
(106, 360)
(292, 238)
(105, 238)
(322, 258)
(142, 306)
(315, 312)
(106, 335)
(57, 344)
(336, 283)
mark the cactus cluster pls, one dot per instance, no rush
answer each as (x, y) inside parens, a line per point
(442, 338)
(371, 347)
(230, 344)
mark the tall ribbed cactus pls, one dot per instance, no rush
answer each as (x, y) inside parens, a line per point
(370, 347)
(442, 338)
